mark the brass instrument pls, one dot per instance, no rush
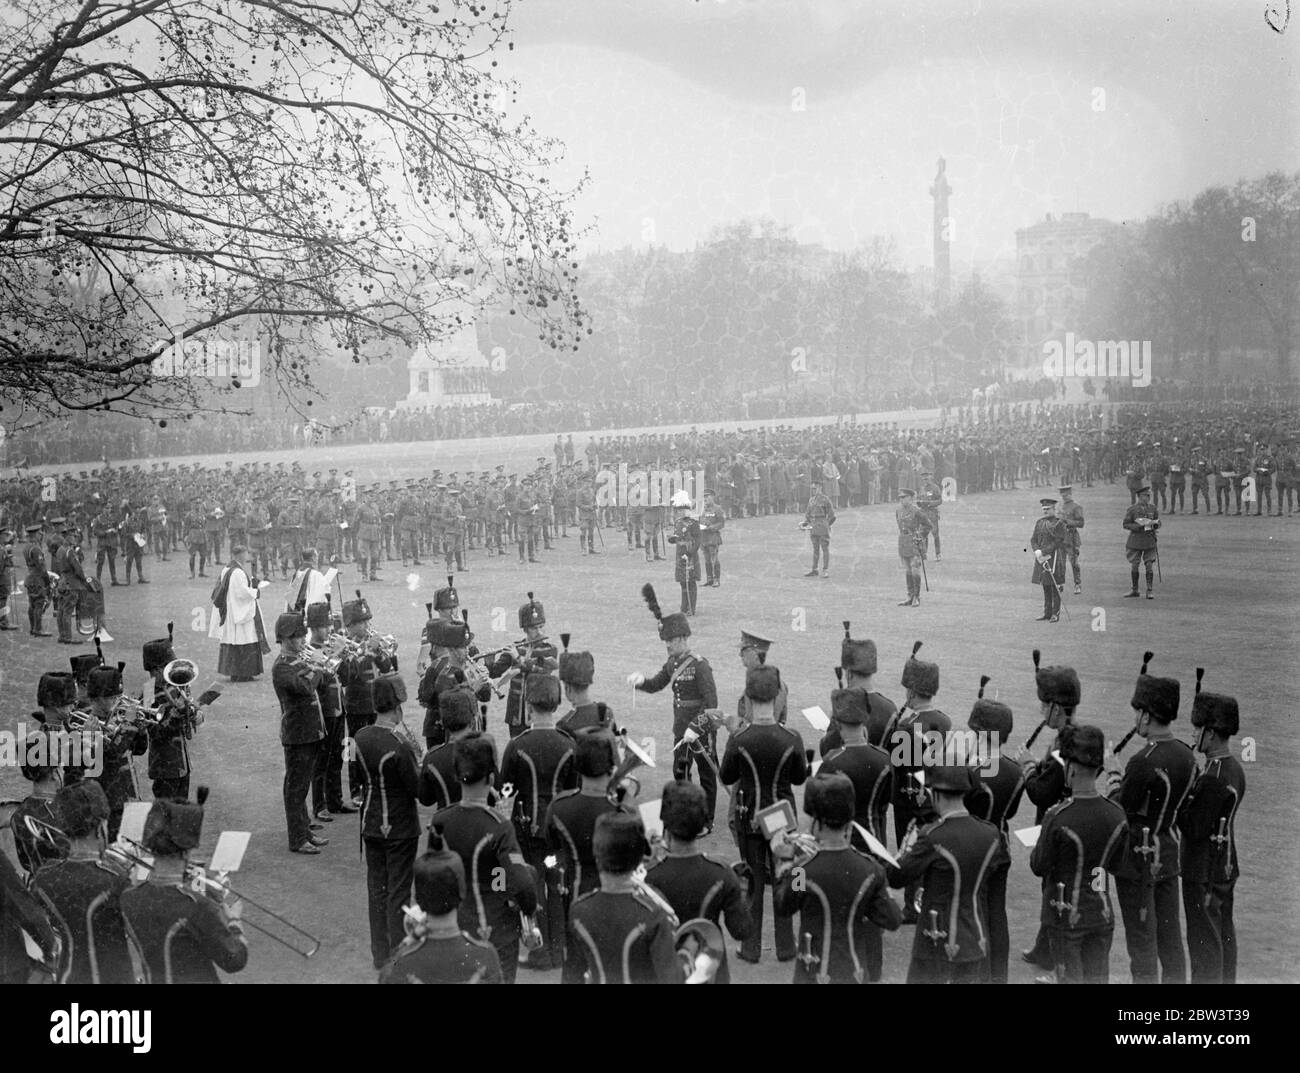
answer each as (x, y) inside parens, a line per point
(217, 887)
(381, 644)
(86, 722)
(316, 659)
(622, 783)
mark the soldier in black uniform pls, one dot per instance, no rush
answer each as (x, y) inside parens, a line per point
(1049, 542)
(501, 885)
(859, 662)
(1059, 692)
(435, 950)
(994, 798)
(122, 740)
(457, 713)
(694, 695)
(535, 654)
(390, 818)
(448, 673)
(539, 765)
(917, 720)
(577, 672)
(762, 762)
(622, 933)
(1152, 790)
(358, 675)
(1081, 844)
(1209, 851)
(327, 779)
(183, 936)
(82, 893)
(951, 860)
(695, 885)
(169, 754)
(840, 929)
(866, 765)
(571, 820)
(302, 728)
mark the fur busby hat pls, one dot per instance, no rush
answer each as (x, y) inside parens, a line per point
(919, 676)
(389, 692)
(56, 689)
(1057, 685)
(830, 799)
(439, 878)
(174, 826)
(543, 691)
(857, 657)
(318, 615)
(1217, 711)
(950, 778)
(446, 599)
(474, 757)
(990, 716)
(447, 633)
(105, 682)
(674, 625)
(79, 809)
(684, 810)
(289, 625)
(38, 752)
(531, 614)
(850, 706)
(1083, 744)
(619, 843)
(762, 683)
(157, 654)
(82, 665)
(594, 753)
(577, 669)
(357, 610)
(456, 709)
(1157, 696)
(670, 626)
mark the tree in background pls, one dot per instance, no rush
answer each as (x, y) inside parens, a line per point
(191, 169)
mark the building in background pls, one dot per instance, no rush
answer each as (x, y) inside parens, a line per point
(1050, 279)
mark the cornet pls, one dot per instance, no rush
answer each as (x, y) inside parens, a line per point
(316, 659)
(383, 644)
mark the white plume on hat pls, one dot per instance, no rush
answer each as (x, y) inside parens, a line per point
(681, 499)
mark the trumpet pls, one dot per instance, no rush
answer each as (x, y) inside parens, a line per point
(316, 659)
(382, 644)
(86, 722)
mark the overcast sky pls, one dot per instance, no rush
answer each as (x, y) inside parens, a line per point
(683, 110)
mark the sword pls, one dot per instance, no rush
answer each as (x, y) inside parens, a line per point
(1158, 573)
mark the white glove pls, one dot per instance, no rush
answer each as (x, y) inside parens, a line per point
(635, 679)
(1040, 555)
(706, 968)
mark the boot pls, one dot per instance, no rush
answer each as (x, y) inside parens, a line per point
(1133, 580)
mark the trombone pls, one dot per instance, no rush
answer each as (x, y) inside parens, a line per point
(217, 886)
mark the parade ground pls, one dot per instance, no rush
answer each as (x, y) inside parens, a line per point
(1227, 602)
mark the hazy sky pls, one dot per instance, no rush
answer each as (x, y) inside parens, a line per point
(684, 111)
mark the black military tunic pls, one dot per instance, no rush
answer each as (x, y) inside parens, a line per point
(438, 785)
(1082, 842)
(539, 764)
(184, 937)
(1209, 866)
(951, 860)
(489, 850)
(697, 886)
(438, 958)
(1156, 781)
(570, 828)
(762, 762)
(872, 775)
(83, 899)
(879, 720)
(843, 901)
(623, 937)
(994, 798)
